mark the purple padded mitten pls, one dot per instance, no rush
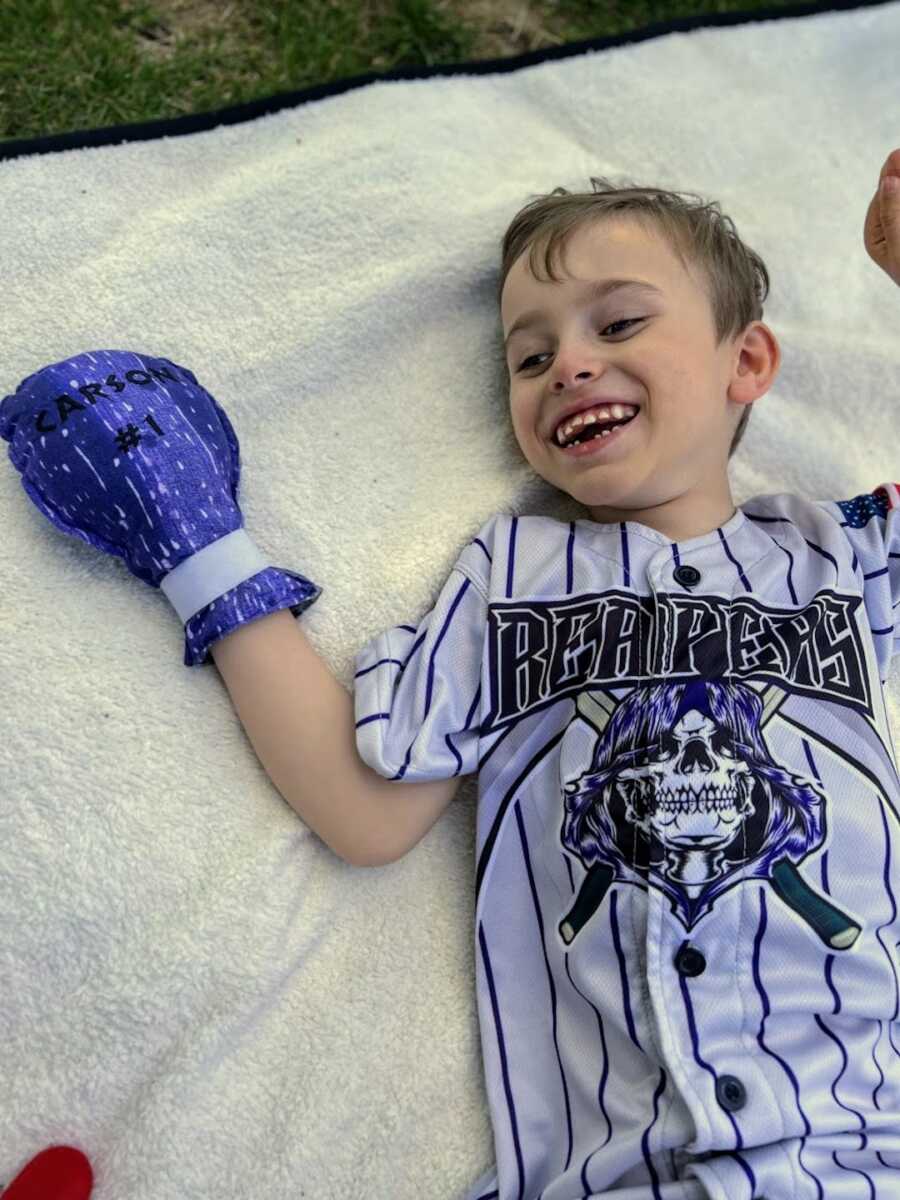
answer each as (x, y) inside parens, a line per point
(132, 455)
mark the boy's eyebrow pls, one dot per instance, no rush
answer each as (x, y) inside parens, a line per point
(596, 291)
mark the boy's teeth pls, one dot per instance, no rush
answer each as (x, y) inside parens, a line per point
(577, 441)
(617, 412)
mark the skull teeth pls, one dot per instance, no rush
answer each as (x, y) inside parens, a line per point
(696, 803)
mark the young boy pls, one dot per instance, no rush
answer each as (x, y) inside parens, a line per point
(686, 914)
(687, 826)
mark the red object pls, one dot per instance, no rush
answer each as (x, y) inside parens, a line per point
(57, 1173)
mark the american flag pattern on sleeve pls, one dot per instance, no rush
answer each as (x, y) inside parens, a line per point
(688, 845)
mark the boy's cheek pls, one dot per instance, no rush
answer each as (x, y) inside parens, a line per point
(527, 442)
(526, 436)
(525, 421)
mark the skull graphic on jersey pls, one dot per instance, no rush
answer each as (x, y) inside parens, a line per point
(683, 795)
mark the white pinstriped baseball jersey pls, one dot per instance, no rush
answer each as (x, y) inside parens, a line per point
(688, 844)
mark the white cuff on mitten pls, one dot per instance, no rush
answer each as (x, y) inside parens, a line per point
(212, 572)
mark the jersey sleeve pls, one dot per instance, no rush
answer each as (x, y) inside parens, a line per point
(417, 686)
(871, 522)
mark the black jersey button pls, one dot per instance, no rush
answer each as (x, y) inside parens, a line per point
(689, 960)
(687, 575)
(730, 1092)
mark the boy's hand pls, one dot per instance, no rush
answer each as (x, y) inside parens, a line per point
(127, 452)
(881, 232)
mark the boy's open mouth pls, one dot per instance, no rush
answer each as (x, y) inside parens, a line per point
(595, 440)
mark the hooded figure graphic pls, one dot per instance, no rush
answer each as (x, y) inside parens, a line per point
(683, 795)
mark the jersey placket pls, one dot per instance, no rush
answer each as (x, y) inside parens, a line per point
(711, 1077)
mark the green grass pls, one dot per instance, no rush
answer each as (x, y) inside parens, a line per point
(83, 64)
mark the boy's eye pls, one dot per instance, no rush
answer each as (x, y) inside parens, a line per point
(629, 321)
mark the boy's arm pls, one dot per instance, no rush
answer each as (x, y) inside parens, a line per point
(301, 722)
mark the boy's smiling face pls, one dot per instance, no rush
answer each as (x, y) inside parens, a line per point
(668, 467)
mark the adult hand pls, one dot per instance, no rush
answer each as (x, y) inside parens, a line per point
(881, 232)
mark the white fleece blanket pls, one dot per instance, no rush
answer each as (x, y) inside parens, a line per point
(193, 989)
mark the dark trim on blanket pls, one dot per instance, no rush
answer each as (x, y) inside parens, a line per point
(82, 139)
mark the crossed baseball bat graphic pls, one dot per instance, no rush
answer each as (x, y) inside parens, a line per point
(834, 927)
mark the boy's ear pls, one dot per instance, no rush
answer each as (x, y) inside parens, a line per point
(757, 365)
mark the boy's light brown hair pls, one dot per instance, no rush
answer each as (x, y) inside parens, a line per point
(696, 230)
